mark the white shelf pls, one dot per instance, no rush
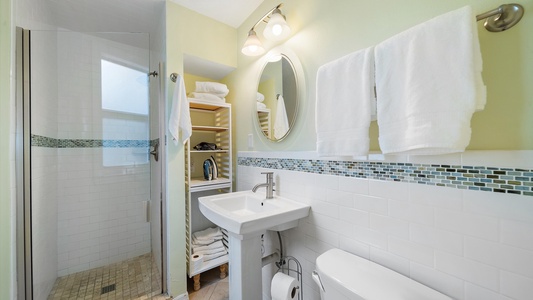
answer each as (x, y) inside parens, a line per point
(209, 128)
(209, 265)
(200, 184)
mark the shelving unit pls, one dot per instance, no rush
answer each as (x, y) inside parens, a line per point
(212, 124)
(263, 115)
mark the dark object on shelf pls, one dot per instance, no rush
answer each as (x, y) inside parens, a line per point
(208, 169)
(214, 167)
(206, 146)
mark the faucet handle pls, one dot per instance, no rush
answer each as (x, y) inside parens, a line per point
(269, 175)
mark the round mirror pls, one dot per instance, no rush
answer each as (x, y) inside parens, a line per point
(277, 98)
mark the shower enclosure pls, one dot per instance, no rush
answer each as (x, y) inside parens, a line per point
(87, 168)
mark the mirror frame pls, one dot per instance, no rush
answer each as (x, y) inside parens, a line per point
(297, 69)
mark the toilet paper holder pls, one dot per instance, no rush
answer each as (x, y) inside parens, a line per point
(288, 264)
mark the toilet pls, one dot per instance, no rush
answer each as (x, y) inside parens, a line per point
(343, 276)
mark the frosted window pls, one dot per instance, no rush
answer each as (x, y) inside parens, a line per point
(124, 89)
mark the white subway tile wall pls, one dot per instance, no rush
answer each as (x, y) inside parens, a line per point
(468, 244)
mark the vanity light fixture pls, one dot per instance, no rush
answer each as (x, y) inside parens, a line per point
(276, 29)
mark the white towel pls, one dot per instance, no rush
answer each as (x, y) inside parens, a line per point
(209, 233)
(345, 92)
(216, 245)
(261, 105)
(208, 257)
(180, 118)
(206, 97)
(281, 124)
(428, 82)
(260, 97)
(216, 88)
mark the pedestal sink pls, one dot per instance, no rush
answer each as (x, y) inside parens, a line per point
(247, 215)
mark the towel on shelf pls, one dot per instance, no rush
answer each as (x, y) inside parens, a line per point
(345, 92)
(428, 82)
(207, 236)
(281, 123)
(206, 97)
(261, 105)
(213, 246)
(180, 118)
(208, 233)
(260, 97)
(208, 257)
(215, 88)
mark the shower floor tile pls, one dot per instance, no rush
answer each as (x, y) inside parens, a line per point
(135, 278)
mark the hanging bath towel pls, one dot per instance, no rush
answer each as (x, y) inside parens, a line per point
(179, 123)
(281, 124)
(428, 82)
(344, 97)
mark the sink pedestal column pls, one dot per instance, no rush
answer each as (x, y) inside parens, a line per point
(245, 276)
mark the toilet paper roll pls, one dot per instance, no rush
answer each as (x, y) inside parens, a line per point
(284, 287)
(197, 261)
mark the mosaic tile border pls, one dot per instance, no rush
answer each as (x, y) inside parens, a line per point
(42, 141)
(479, 178)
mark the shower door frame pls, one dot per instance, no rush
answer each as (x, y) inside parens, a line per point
(23, 166)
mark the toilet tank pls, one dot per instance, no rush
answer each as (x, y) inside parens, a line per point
(344, 276)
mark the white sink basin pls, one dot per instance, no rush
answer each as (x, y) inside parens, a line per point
(248, 212)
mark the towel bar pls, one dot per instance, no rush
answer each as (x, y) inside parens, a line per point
(503, 17)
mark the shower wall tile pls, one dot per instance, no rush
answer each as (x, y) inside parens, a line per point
(44, 219)
(468, 244)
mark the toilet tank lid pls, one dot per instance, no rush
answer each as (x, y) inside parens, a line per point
(370, 280)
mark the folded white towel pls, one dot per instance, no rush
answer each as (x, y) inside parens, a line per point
(345, 91)
(180, 118)
(216, 245)
(428, 82)
(206, 233)
(281, 123)
(208, 257)
(206, 97)
(261, 105)
(209, 251)
(260, 97)
(215, 88)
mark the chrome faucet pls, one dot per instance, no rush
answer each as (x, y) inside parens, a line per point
(269, 185)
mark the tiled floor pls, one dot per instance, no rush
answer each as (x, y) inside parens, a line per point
(212, 287)
(135, 278)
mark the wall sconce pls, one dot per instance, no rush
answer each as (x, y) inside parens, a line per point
(276, 29)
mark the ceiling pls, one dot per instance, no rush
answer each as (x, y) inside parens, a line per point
(230, 12)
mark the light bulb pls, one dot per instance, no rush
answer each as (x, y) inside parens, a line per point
(277, 28)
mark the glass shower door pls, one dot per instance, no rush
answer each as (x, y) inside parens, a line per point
(90, 141)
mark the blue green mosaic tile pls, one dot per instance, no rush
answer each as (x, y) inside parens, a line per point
(478, 178)
(42, 141)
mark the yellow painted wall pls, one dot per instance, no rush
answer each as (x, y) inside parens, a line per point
(325, 30)
(204, 37)
(6, 242)
(187, 32)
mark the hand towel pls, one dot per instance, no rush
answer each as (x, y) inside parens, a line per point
(216, 245)
(180, 118)
(215, 88)
(261, 105)
(260, 97)
(281, 123)
(209, 233)
(206, 97)
(345, 91)
(428, 82)
(208, 257)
